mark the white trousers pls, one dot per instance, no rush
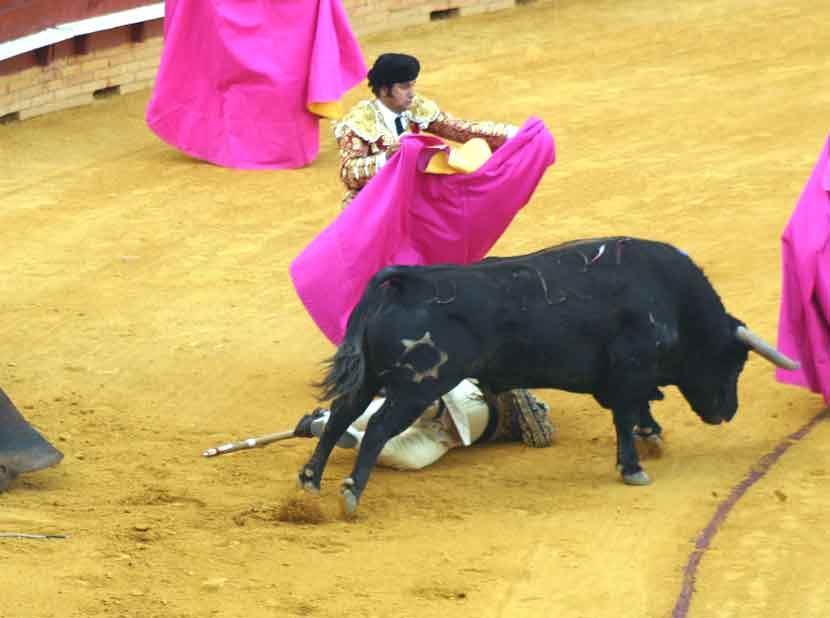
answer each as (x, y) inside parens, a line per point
(435, 433)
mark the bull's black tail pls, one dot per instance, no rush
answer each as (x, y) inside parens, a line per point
(346, 370)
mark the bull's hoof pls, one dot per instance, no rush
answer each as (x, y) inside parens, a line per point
(310, 488)
(649, 446)
(306, 481)
(348, 498)
(637, 478)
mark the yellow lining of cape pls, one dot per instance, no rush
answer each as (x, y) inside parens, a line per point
(333, 110)
(467, 158)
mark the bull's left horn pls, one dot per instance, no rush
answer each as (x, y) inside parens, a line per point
(764, 349)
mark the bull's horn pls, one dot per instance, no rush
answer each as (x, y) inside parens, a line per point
(764, 349)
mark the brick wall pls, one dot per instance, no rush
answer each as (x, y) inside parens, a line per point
(73, 72)
(77, 72)
(368, 16)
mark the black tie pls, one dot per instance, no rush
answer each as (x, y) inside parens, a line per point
(399, 124)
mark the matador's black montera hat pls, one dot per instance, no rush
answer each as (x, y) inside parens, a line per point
(393, 69)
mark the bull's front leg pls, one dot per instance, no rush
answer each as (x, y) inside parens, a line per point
(628, 462)
(392, 418)
(648, 434)
(342, 415)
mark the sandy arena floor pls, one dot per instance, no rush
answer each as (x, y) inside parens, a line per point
(147, 314)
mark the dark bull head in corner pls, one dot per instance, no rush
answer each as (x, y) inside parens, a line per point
(616, 318)
(22, 448)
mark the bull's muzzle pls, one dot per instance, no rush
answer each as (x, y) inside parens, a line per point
(760, 346)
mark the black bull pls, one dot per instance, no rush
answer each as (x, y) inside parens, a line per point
(616, 318)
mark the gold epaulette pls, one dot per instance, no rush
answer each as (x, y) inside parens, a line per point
(362, 120)
(423, 111)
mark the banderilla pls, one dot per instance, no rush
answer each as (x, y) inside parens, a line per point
(242, 445)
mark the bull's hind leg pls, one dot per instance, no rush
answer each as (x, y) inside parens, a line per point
(386, 423)
(342, 415)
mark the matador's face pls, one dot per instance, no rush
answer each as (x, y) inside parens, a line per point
(398, 97)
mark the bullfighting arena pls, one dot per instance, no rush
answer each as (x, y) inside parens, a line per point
(147, 314)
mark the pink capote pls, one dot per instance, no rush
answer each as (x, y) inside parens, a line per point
(236, 77)
(804, 322)
(405, 216)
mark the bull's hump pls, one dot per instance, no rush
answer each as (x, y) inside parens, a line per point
(585, 243)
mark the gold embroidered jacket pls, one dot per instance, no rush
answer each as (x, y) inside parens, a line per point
(363, 137)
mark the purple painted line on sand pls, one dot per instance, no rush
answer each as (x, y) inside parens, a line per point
(763, 466)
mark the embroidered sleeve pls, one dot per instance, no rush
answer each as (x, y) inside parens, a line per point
(358, 162)
(457, 130)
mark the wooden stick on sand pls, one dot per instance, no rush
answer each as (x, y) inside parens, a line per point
(248, 443)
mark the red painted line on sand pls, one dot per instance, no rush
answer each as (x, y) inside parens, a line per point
(763, 466)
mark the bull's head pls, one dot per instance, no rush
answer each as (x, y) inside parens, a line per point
(711, 387)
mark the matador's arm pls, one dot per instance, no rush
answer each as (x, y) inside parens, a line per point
(457, 130)
(358, 164)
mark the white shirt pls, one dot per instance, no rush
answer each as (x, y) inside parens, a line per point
(389, 117)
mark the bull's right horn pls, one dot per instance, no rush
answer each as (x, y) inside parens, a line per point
(766, 350)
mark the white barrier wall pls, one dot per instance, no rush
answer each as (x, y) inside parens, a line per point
(78, 68)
